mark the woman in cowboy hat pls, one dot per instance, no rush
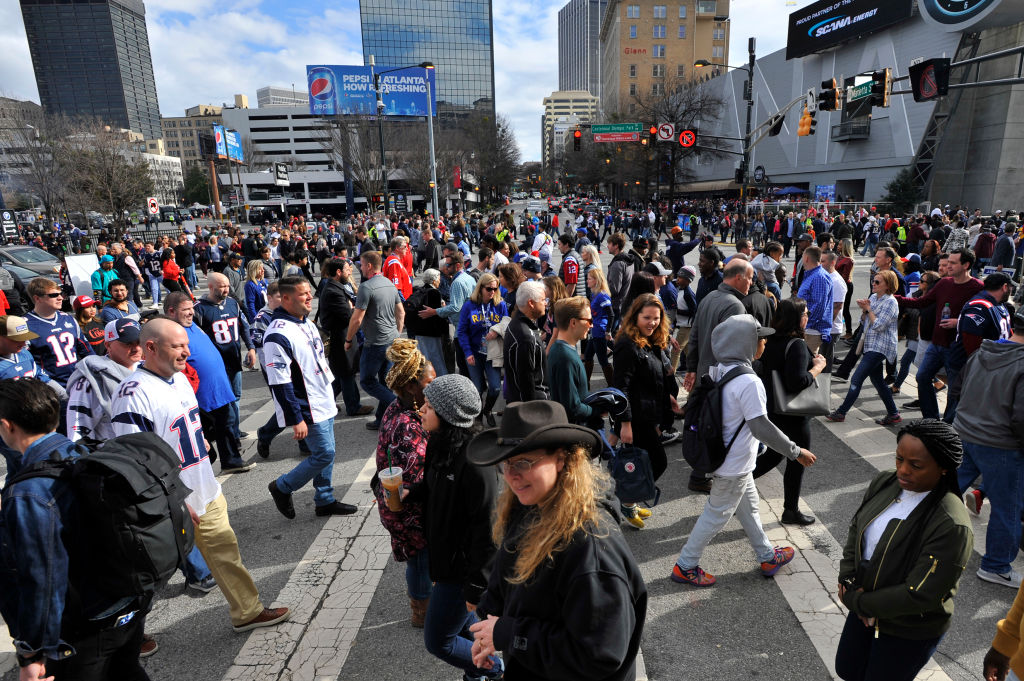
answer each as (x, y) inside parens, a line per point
(565, 597)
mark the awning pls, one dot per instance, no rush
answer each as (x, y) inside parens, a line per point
(710, 186)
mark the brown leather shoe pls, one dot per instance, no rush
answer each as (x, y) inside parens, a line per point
(268, 618)
(149, 646)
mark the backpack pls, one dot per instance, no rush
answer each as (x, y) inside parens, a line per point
(634, 478)
(131, 501)
(703, 447)
(413, 305)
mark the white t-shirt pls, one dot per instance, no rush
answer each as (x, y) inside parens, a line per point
(543, 244)
(904, 505)
(743, 399)
(149, 403)
(838, 296)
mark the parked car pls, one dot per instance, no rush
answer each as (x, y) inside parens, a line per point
(30, 258)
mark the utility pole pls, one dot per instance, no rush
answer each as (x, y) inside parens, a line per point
(749, 96)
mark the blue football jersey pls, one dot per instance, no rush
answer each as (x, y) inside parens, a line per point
(22, 365)
(59, 345)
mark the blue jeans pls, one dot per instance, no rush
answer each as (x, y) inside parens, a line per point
(432, 349)
(269, 430)
(417, 576)
(194, 567)
(1003, 474)
(484, 368)
(871, 366)
(905, 362)
(599, 347)
(935, 358)
(317, 467)
(154, 289)
(349, 390)
(870, 242)
(236, 387)
(373, 367)
(446, 632)
(190, 276)
(861, 656)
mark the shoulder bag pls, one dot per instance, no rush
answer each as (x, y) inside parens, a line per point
(814, 400)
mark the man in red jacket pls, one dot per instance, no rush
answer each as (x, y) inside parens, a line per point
(394, 267)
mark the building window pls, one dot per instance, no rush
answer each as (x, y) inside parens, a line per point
(718, 34)
(717, 52)
(680, 70)
(658, 51)
(632, 70)
(632, 89)
(682, 11)
(659, 30)
(632, 31)
(707, 7)
(632, 11)
(682, 30)
(657, 89)
(632, 108)
(658, 71)
(660, 11)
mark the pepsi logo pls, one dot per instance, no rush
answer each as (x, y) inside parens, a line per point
(321, 88)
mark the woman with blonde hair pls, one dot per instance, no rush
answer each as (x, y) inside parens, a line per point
(402, 443)
(591, 261)
(565, 599)
(479, 313)
(255, 289)
(640, 372)
(556, 291)
(601, 314)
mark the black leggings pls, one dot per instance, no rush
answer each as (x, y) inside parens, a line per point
(847, 317)
(798, 429)
(645, 436)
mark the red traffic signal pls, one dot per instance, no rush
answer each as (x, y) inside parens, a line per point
(577, 134)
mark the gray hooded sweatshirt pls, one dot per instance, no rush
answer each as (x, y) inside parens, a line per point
(91, 390)
(734, 343)
(991, 408)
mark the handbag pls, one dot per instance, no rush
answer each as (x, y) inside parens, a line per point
(814, 400)
(634, 478)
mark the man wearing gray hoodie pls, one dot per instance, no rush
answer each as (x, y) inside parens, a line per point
(990, 420)
(738, 341)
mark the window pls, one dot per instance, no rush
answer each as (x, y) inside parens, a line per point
(717, 52)
(632, 70)
(658, 51)
(680, 70)
(659, 30)
(657, 89)
(707, 7)
(682, 11)
(632, 31)
(632, 108)
(632, 89)
(660, 11)
(718, 34)
(682, 30)
(632, 11)
(658, 71)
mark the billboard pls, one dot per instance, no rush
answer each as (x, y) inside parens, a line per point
(827, 23)
(227, 143)
(348, 90)
(960, 15)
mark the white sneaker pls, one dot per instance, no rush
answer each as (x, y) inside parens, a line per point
(1011, 578)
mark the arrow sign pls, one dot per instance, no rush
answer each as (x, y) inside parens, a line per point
(666, 132)
(687, 138)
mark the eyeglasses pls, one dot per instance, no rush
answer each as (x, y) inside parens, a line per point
(490, 288)
(588, 320)
(55, 294)
(877, 281)
(518, 466)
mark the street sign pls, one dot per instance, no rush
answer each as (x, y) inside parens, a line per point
(616, 127)
(281, 175)
(7, 223)
(687, 138)
(666, 132)
(401, 203)
(860, 91)
(811, 100)
(617, 137)
(759, 174)
(153, 205)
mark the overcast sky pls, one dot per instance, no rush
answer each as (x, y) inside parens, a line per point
(206, 51)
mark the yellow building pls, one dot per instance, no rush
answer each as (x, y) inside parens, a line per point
(564, 107)
(648, 45)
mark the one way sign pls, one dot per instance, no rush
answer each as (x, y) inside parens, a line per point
(666, 132)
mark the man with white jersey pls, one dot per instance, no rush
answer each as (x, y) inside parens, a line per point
(157, 398)
(301, 383)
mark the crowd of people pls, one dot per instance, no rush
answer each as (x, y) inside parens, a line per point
(502, 509)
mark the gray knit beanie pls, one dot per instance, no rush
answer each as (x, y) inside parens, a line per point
(454, 398)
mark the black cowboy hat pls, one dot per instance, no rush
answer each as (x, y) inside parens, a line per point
(526, 426)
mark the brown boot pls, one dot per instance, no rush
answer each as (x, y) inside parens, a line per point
(588, 366)
(419, 611)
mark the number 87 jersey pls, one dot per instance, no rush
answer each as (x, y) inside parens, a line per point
(149, 403)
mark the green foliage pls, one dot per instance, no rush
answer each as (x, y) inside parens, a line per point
(902, 193)
(197, 186)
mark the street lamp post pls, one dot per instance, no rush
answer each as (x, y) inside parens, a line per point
(748, 96)
(427, 66)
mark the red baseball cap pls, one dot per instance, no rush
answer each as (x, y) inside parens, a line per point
(82, 301)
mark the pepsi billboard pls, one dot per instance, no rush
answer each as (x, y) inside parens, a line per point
(227, 143)
(828, 23)
(348, 91)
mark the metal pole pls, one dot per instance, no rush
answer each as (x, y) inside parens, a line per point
(751, 47)
(430, 140)
(380, 132)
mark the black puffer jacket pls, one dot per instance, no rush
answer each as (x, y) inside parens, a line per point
(640, 374)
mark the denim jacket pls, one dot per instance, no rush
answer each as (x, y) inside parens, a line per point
(35, 516)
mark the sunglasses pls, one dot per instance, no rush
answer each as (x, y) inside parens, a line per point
(520, 466)
(56, 294)
(877, 281)
(588, 320)
(490, 288)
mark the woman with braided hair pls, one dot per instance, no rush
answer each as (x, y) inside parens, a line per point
(908, 544)
(402, 442)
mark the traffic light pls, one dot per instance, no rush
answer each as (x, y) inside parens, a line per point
(740, 176)
(653, 132)
(807, 124)
(930, 79)
(576, 137)
(880, 87)
(828, 98)
(776, 125)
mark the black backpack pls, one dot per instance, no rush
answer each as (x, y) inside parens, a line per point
(630, 467)
(136, 527)
(413, 305)
(703, 447)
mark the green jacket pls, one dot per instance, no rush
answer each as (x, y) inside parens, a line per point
(915, 604)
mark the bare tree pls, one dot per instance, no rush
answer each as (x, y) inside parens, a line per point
(495, 153)
(36, 147)
(352, 142)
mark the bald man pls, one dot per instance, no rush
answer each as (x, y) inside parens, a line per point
(158, 399)
(221, 318)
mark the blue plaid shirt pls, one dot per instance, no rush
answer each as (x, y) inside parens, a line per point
(881, 336)
(816, 289)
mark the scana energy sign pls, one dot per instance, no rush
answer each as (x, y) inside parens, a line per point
(830, 22)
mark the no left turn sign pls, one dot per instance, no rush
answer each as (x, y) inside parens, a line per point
(153, 205)
(666, 132)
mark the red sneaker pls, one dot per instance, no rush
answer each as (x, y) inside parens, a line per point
(783, 554)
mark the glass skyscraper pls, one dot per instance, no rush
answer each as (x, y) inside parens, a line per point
(92, 59)
(456, 35)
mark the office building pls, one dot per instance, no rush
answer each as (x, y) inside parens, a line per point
(181, 133)
(273, 95)
(649, 47)
(92, 59)
(579, 54)
(563, 108)
(458, 37)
